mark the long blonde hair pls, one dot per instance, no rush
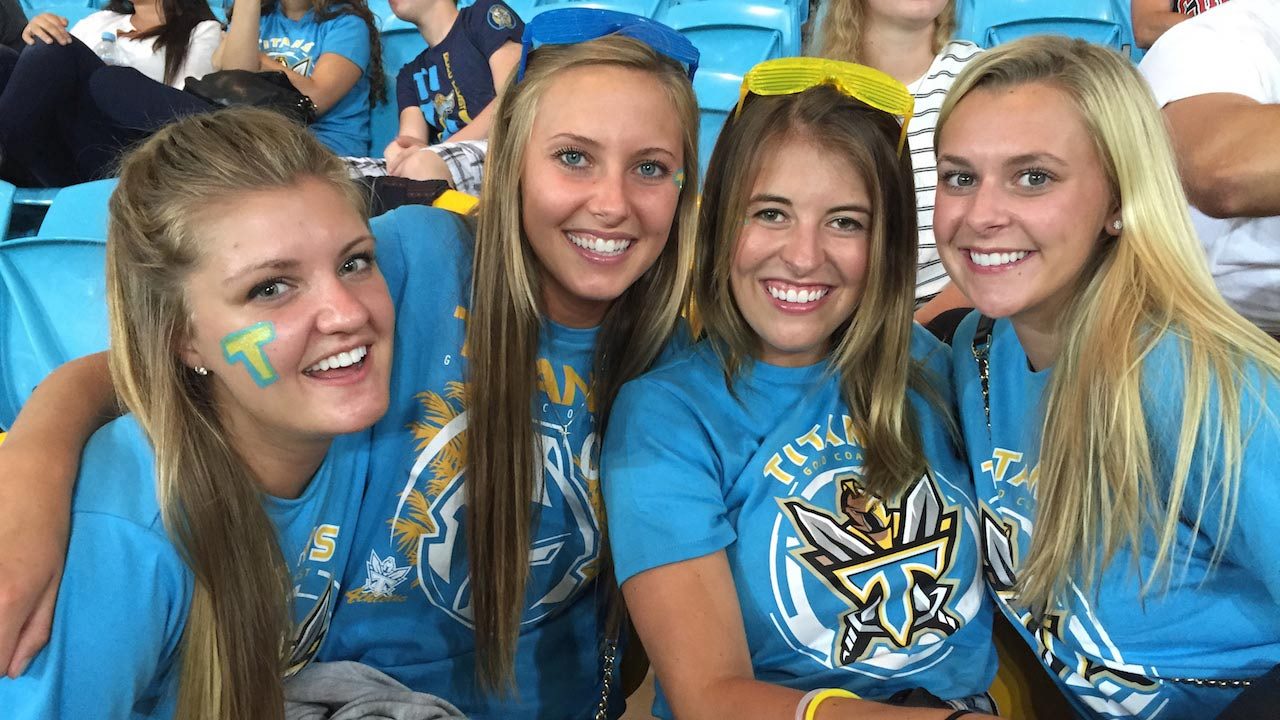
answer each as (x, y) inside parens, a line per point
(843, 30)
(1097, 484)
(871, 353)
(236, 629)
(502, 337)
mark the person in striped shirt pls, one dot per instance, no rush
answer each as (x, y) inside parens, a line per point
(911, 41)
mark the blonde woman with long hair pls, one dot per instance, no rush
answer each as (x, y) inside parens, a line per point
(777, 491)
(475, 561)
(1122, 421)
(911, 41)
(200, 569)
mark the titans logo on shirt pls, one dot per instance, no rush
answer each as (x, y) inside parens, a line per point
(887, 564)
(428, 527)
(1107, 684)
(293, 55)
(500, 17)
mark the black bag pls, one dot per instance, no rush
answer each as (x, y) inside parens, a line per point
(270, 90)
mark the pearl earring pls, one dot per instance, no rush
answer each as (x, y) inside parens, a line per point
(201, 370)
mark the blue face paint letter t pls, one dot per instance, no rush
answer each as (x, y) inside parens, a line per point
(246, 346)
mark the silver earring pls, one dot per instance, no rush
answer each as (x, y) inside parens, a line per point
(1118, 225)
(201, 370)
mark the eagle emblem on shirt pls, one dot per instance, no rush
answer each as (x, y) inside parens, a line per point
(501, 17)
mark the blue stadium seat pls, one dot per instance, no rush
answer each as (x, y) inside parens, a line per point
(717, 95)
(52, 309)
(645, 8)
(732, 36)
(991, 22)
(6, 207)
(79, 211)
(73, 10)
(401, 42)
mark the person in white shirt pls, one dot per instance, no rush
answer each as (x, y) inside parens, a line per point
(1217, 78)
(52, 132)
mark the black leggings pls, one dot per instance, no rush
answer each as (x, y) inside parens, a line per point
(65, 116)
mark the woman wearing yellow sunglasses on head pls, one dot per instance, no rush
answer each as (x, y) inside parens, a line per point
(791, 520)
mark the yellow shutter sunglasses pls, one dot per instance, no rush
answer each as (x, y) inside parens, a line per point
(788, 76)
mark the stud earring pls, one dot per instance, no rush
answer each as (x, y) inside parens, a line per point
(1118, 225)
(201, 370)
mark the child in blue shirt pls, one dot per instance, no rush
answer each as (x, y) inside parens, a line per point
(445, 93)
(789, 514)
(330, 51)
(1122, 421)
(211, 526)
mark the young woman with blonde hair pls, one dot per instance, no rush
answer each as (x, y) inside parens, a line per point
(475, 561)
(792, 523)
(196, 575)
(1123, 422)
(911, 41)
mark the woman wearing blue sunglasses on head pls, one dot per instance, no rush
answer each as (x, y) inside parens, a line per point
(485, 591)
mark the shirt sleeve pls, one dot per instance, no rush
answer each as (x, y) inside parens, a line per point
(347, 36)
(199, 61)
(662, 482)
(1251, 538)
(1194, 58)
(492, 25)
(406, 90)
(120, 614)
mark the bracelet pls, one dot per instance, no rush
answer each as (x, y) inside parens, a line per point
(803, 705)
(817, 697)
(959, 714)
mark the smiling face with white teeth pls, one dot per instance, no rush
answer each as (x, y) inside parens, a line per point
(300, 259)
(1023, 201)
(598, 186)
(800, 263)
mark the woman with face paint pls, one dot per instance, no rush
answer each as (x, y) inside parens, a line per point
(475, 561)
(1121, 419)
(792, 523)
(252, 372)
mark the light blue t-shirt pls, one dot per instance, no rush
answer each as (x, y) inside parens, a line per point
(122, 607)
(298, 45)
(408, 611)
(836, 588)
(1114, 652)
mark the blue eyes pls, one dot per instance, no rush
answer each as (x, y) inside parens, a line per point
(574, 159)
(276, 287)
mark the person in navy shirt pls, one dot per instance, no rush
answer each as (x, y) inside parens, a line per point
(790, 517)
(445, 92)
(1122, 421)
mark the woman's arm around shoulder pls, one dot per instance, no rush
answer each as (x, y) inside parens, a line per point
(38, 465)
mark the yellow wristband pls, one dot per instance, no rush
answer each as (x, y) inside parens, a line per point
(812, 711)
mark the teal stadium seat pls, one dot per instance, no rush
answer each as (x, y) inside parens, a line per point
(52, 309)
(401, 42)
(717, 95)
(79, 211)
(7, 192)
(991, 22)
(644, 8)
(73, 10)
(732, 36)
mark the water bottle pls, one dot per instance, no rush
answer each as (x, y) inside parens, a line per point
(106, 48)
